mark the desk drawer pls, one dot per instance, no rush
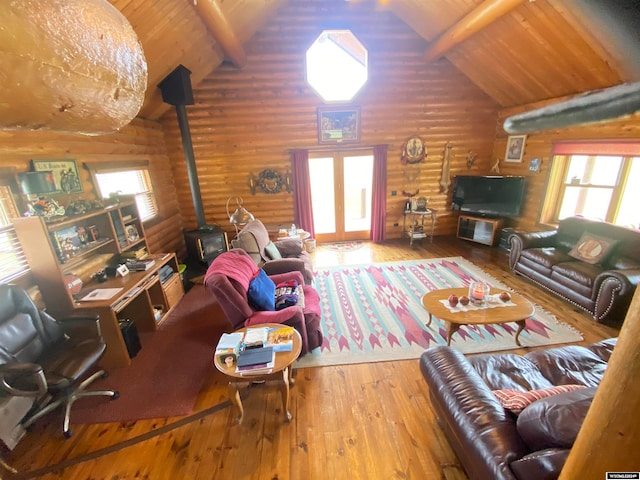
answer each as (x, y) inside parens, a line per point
(173, 290)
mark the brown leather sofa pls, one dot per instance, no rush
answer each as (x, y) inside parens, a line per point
(603, 289)
(493, 443)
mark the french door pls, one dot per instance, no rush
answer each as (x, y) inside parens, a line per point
(341, 185)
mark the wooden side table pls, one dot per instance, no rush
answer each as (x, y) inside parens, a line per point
(413, 221)
(281, 371)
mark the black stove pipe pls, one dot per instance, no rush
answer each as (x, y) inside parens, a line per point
(192, 172)
(176, 90)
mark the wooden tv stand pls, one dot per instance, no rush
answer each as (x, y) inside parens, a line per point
(479, 229)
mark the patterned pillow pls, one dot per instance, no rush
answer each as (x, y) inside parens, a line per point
(518, 400)
(592, 248)
(286, 294)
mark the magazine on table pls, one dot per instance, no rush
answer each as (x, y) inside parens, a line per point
(281, 338)
(255, 337)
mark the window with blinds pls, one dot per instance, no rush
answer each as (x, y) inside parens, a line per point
(129, 182)
(13, 263)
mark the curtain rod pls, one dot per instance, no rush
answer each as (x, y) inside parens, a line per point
(333, 148)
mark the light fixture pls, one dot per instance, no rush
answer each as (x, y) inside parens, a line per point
(241, 216)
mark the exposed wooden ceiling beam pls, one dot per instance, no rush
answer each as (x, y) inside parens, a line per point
(481, 16)
(221, 30)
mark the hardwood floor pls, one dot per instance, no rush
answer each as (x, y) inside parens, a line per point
(367, 421)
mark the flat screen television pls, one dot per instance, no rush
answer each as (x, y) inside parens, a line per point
(491, 196)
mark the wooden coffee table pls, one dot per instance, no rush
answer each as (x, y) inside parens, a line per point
(517, 313)
(281, 371)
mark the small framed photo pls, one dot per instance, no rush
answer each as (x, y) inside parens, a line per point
(65, 174)
(338, 125)
(534, 164)
(515, 148)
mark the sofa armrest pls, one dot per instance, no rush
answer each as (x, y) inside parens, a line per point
(520, 241)
(613, 291)
(482, 433)
(541, 465)
(284, 265)
(287, 276)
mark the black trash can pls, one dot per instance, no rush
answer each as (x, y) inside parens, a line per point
(130, 336)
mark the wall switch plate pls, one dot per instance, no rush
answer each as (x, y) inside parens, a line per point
(394, 193)
(395, 224)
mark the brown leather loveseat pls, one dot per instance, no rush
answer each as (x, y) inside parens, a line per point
(491, 441)
(594, 265)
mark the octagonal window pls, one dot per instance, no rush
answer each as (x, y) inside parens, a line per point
(337, 65)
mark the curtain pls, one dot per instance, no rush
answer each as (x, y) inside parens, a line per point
(379, 194)
(302, 208)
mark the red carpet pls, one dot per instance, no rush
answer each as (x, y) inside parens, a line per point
(165, 377)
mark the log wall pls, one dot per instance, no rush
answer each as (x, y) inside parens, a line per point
(248, 120)
(540, 144)
(142, 140)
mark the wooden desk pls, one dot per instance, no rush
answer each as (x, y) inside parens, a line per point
(141, 291)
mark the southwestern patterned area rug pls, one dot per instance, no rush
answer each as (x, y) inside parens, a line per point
(373, 313)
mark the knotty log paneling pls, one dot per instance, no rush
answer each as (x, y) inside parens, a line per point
(539, 145)
(141, 140)
(247, 120)
(539, 50)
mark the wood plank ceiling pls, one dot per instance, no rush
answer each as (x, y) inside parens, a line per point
(536, 51)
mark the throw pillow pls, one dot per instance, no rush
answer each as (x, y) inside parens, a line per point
(554, 421)
(262, 292)
(290, 247)
(272, 252)
(518, 400)
(286, 294)
(592, 248)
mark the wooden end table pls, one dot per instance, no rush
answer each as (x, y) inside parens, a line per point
(517, 313)
(281, 371)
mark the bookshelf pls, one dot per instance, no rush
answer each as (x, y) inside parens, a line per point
(64, 255)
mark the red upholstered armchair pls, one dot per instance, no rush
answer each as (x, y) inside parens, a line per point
(228, 279)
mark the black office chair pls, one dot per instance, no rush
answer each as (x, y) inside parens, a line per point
(46, 358)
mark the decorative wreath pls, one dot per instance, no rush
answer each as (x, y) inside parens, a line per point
(270, 181)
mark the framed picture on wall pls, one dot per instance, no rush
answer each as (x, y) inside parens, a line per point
(338, 125)
(515, 148)
(65, 174)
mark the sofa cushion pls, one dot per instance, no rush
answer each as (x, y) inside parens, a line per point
(247, 241)
(289, 247)
(547, 257)
(570, 364)
(517, 400)
(578, 272)
(592, 248)
(262, 292)
(272, 252)
(555, 421)
(508, 371)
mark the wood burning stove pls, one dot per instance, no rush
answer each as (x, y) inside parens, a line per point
(205, 244)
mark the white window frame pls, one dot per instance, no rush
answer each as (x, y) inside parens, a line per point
(145, 197)
(561, 157)
(13, 262)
